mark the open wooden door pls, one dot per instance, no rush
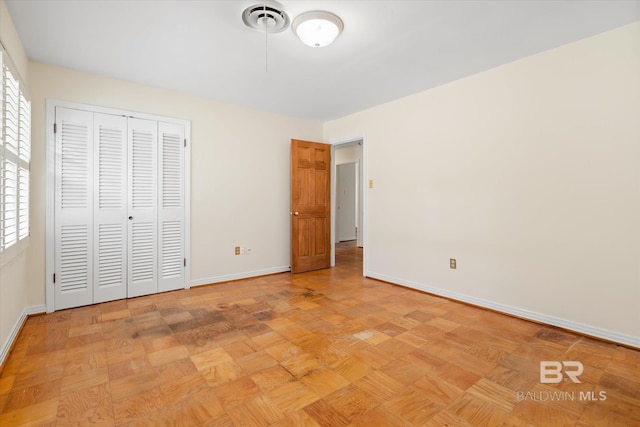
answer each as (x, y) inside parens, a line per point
(310, 206)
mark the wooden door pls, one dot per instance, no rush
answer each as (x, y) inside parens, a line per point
(310, 206)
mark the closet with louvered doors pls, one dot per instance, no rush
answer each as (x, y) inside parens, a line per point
(119, 216)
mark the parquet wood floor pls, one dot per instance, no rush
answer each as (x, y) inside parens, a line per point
(327, 348)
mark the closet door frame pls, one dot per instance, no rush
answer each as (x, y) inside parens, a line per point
(50, 177)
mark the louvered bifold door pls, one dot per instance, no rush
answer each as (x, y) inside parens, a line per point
(171, 221)
(110, 208)
(73, 208)
(143, 213)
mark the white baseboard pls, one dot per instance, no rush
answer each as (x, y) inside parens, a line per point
(525, 314)
(34, 309)
(238, 276)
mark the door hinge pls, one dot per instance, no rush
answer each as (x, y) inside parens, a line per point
(185, 142)
(54, 277)
(55, 128)
(185, 262)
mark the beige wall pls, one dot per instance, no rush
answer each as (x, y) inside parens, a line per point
(527, 174)
(239, 172)
(13, 271)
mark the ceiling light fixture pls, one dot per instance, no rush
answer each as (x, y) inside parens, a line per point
(317, 28)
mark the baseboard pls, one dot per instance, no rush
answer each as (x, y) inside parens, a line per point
(628, 340)
(238, 276)
(6, 347)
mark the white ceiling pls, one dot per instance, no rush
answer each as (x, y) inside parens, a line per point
(389, 49)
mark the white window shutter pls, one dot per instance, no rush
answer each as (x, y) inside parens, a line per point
(23, 202)
(15, 157)
(1, 152)
(11, 112)
(10, 136)
(171, 210)
(24, 173)
(10, 203)
(25, 130)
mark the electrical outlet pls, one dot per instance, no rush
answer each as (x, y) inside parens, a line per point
(237, 250)
(452, 263)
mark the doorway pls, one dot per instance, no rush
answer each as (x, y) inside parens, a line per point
(346, 202)
(347, 199)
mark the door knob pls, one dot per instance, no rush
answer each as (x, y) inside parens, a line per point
(130, 217)
(296, 213)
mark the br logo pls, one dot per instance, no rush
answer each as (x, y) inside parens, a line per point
(553, 372)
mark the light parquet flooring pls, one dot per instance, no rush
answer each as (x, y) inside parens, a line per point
(327, 348)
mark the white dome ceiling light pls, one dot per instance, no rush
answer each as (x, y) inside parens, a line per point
(317, 28)
(267, 16)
